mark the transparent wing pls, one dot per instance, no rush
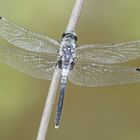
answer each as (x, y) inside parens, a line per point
(109, 54)
(103, 75)
(25, 39)
(36, 64)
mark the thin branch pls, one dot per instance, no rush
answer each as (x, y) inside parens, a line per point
(48, 105)
(56, 77)
(75, 15)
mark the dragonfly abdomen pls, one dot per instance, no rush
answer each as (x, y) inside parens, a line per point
(60, 103)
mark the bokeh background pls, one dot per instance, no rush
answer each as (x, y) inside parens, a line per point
(103, 113)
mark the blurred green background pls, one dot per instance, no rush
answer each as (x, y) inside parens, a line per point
(103, 113)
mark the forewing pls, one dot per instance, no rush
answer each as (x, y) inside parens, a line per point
(35, 64)
(25, 39)
(102, 75)
(109, 54)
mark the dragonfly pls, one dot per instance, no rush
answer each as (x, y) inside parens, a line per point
(85, 65)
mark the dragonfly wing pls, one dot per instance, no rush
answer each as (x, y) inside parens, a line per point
(25, 39)
(36, 64)
(109, 54)
(103, 75)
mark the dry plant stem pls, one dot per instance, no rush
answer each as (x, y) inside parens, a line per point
(56, 77)
(75, 15)
(48, 105)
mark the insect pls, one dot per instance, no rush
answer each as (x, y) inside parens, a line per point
(87, 65)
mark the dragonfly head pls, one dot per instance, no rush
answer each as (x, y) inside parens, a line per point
(70, 34)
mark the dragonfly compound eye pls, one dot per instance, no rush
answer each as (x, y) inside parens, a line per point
(71, 35)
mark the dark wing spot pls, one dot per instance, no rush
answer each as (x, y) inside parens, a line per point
(138, 69)
(0, 17)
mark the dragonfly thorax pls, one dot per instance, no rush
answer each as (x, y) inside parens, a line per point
(67, 52)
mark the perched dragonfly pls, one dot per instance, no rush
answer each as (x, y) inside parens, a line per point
(87, 65)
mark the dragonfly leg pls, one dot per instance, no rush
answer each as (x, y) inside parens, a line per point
(138, 69)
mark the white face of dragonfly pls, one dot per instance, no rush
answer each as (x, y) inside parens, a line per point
(67, 54)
